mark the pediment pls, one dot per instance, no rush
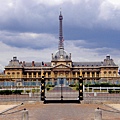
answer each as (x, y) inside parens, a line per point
(62, 66)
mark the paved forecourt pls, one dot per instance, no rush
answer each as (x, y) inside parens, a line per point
(40, 111)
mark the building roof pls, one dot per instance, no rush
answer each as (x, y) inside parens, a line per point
(86, 64)
(61, 55)
(37, 64)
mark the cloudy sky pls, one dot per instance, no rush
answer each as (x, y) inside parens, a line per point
(29, 29)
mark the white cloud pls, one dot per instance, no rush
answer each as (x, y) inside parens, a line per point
(79, 53)
(109, 16)
(115, 2)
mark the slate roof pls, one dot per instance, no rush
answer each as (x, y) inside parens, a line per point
(107, 62)
(37, 64)
(86, 64)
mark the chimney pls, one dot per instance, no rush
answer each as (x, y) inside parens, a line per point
(33, 63)
(23, 63)
(14, 58)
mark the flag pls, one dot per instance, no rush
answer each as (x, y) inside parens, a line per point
(45, 64)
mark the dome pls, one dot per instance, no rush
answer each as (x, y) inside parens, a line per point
(61, 54)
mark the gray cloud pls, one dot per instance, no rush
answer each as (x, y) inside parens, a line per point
(41, 16)
(28, 40)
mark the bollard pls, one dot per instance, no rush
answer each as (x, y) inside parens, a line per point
(30, 94)
(25, 115)
(98, 114)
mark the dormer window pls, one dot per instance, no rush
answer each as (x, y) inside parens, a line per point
(55, 57)
(14, 58)
(61, 56)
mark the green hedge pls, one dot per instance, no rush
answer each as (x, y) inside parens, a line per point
(72, 85)
(9, 92)
(114, 91)
(102, 85)
(50, 85)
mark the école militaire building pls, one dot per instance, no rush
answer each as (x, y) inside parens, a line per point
(61, 66)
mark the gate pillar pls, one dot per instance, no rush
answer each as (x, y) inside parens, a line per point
(80, 88)
(42, 89)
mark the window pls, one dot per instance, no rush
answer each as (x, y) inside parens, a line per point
(105, 73)
(114, 73)
(18, 74)
(8, 73)
(13, 74)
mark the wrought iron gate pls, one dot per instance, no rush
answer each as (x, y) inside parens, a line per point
(61, 91)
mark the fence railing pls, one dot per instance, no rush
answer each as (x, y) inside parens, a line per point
(99, 89)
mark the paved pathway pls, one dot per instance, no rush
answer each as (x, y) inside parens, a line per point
(64, 89)
(69, 112)
(5, 107)
(40, 111)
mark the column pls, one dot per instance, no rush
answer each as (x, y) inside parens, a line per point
(95, 74)
(76, 74)
(85, 74)
(32, 75)
(47, 74)
(52, 74)
(90, 74)
(27, 75)
(36, 74)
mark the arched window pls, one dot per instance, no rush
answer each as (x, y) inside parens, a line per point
(105, 74)
(55, 57)
(114, 73)
(110, 73)
(8, 73)
(18, 74)
(13, 74)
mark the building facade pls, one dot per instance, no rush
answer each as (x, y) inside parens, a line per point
(61, 66)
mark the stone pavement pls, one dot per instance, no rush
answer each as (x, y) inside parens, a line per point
(40, 111)
(5, 107)
(115, 106)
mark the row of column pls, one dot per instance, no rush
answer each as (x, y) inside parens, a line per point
(69, 74)
(36, 75)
